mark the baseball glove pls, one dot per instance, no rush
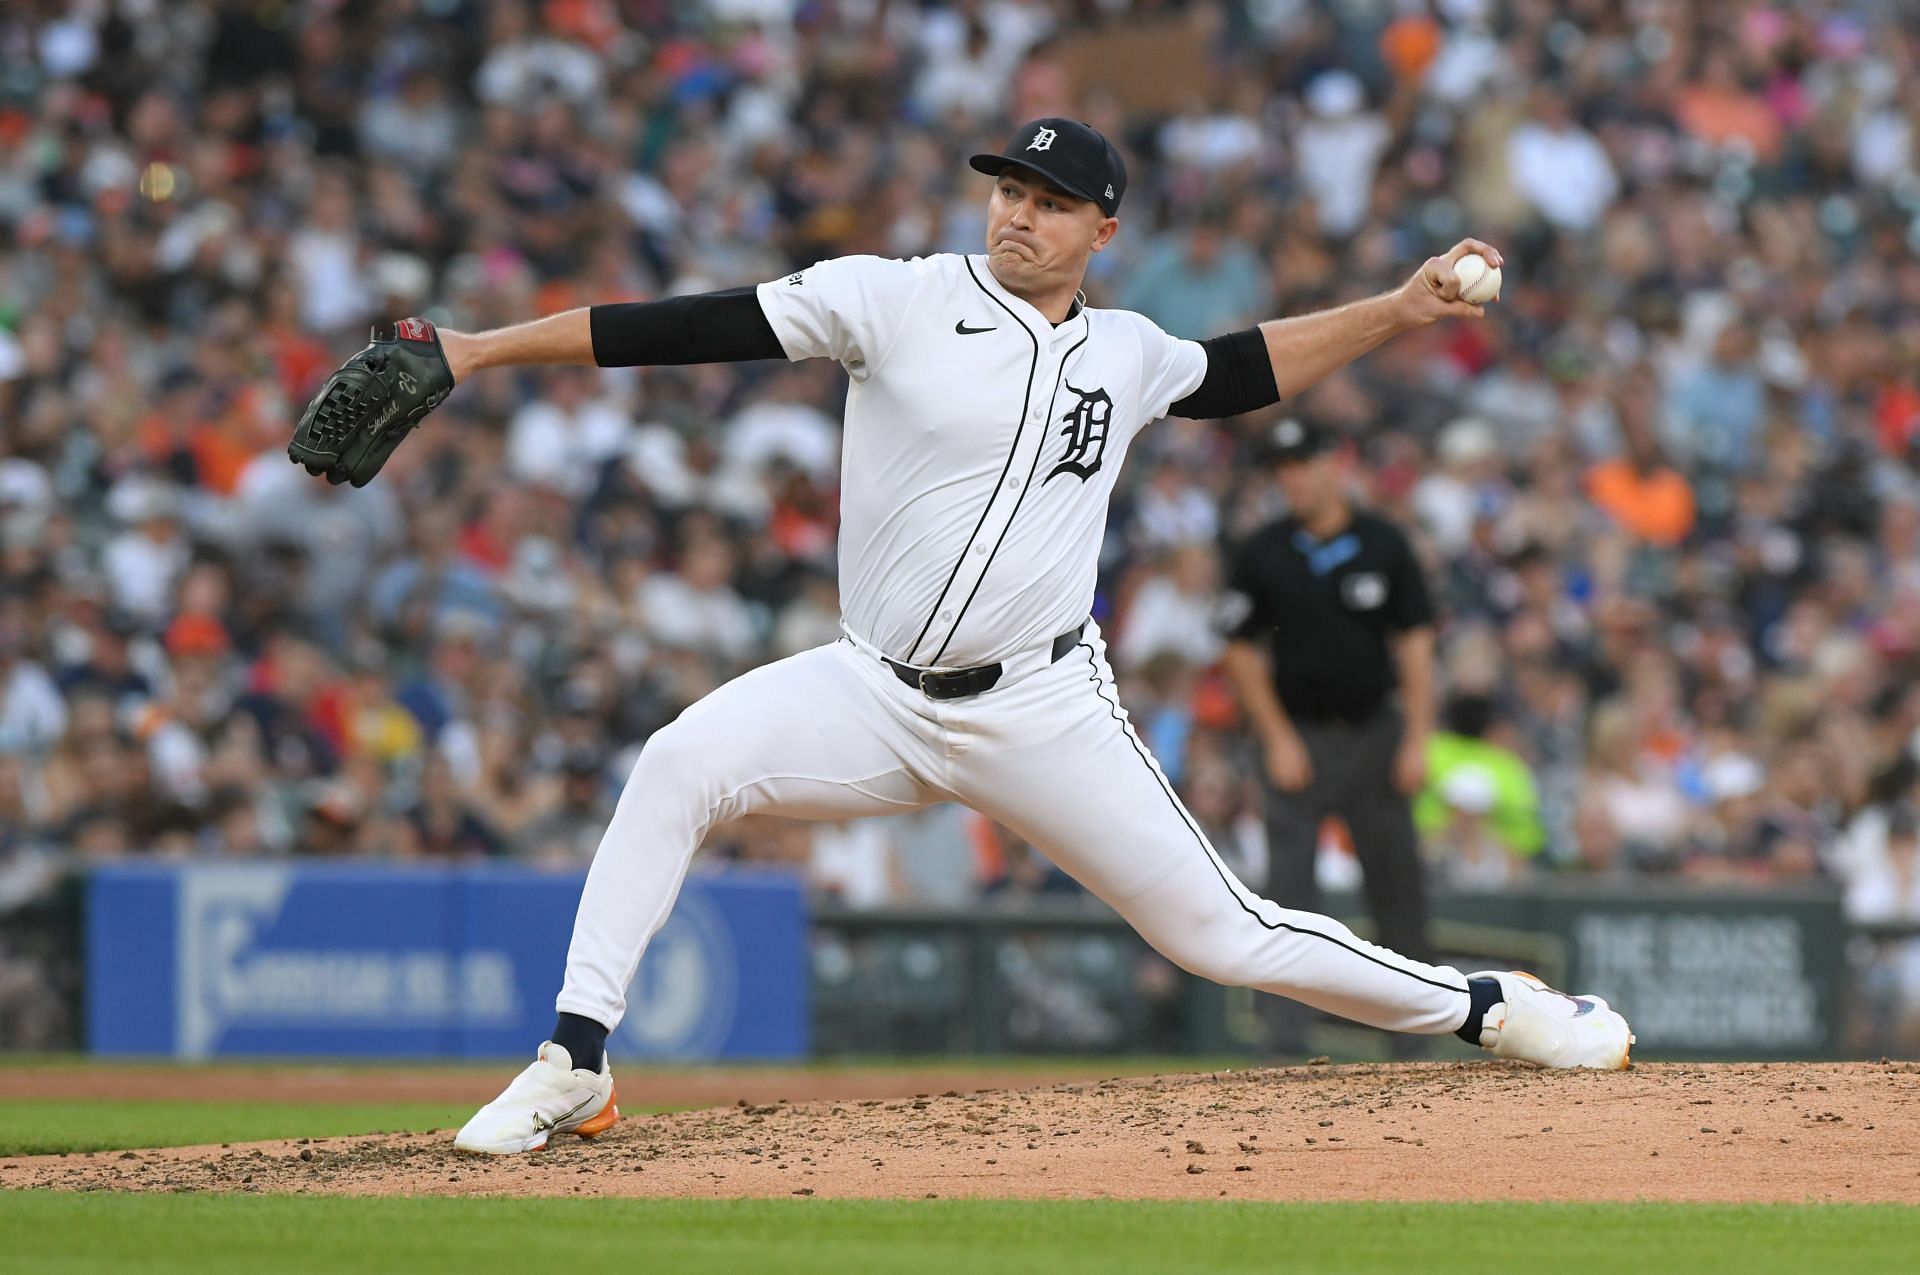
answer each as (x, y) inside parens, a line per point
(372, 403)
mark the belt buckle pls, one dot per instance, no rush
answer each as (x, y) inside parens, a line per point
(921, 681)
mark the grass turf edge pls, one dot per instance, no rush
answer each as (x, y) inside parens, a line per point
(101, 1232)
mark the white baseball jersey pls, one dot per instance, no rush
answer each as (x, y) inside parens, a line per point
(981, 447)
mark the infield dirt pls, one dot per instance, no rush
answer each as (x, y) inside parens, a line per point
(1442, 1131)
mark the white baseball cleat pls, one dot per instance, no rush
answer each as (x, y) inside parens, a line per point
(1537, 1024)
(551, 1096)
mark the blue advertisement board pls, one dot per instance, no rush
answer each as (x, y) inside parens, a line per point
(202, 960)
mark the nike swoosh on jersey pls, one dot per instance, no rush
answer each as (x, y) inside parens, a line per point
(962, 328)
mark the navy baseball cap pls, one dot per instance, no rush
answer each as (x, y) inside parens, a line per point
(1293, 440)
(1071, 155)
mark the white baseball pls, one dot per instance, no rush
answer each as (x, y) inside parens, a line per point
(1479, 281)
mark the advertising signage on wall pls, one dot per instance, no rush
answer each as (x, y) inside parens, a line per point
(205, 960)
(1702, 981)
(1701, 971)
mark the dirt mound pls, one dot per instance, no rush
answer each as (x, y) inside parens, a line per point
(1458, 1131)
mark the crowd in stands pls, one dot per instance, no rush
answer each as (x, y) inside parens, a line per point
(1668, 494)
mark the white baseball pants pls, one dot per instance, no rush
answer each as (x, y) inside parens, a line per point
(832, 733)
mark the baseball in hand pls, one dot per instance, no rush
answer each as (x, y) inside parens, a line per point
(1479, 282)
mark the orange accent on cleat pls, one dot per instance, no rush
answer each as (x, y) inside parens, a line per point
(608, 1117)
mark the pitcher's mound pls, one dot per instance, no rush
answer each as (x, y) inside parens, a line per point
(1443, 1131)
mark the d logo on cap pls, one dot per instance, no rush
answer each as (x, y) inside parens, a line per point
(1042, 140)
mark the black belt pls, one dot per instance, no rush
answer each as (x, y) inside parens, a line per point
(960, 683)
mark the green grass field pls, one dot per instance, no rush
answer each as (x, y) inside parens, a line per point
(193, 1234)
(284, 1234)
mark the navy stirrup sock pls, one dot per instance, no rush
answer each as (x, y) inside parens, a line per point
(1483, 994)
(583, 1039)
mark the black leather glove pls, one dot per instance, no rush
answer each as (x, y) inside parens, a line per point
(372, 403)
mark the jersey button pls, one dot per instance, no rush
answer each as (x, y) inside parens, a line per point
(1013, 482)
(946, 615)
(979, 549)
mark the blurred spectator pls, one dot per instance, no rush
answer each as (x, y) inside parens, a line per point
(567, 834)
(853, 863)
(336, 533)
(32, 713)
(1640, 492)
(1479, 814)
(696, 608)
(1173, 613)
(1199, 283)
(441, 824)
(1339, 144)
(970, 52)
(561, 439)
(1881, 855)
(1636, 807)
(938, 861)
(1559, 167)
(144, 562)
(1718, 108)
(1465, 486)
(1717, 407)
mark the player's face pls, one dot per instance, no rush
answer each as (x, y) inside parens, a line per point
(1038, 236)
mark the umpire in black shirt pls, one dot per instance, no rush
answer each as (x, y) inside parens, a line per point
(1327, 616)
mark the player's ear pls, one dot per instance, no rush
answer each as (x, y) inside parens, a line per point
(1104, 235)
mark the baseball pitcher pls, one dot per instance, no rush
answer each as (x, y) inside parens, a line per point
(989, 411)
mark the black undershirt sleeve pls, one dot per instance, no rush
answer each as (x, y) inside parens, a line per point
(1239, 378)
(707, 327)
